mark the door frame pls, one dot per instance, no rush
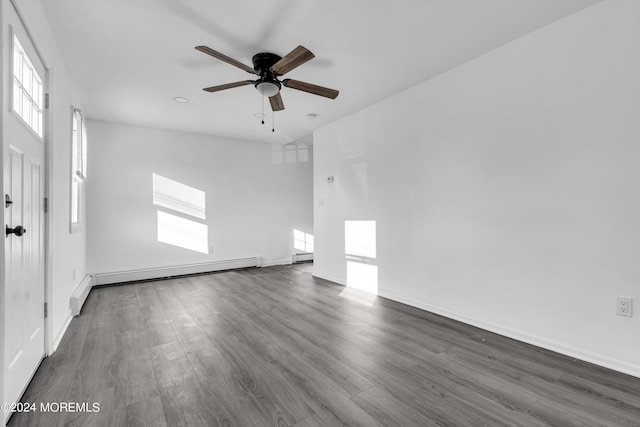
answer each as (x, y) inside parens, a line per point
(6, 90)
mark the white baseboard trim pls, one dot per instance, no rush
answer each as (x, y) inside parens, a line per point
(333, 279)
(587, 356)
(80, 294)
(60, 334)
(177, 270)
(272, 262)
(306, 256)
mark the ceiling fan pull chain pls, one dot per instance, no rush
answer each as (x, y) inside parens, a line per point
(262, 116)
(273, 121)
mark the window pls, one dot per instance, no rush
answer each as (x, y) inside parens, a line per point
(28, 93)
(78, 166)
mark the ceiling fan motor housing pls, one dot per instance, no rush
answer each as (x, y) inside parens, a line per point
(262, 63)
(268, 84)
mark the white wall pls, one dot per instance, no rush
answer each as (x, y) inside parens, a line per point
(256, 195)
(505, 192)
(67, 260)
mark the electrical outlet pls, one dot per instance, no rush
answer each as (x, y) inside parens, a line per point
(624, 306)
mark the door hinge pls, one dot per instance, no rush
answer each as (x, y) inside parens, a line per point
(46, 311)
(46, 205)
(46, 101)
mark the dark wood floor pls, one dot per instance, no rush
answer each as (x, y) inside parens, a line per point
(276, 347)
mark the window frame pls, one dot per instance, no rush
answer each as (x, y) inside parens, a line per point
(78, 177)
(12, 88)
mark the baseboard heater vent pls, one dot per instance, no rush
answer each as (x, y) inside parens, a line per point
(301, 257)
(80, 294)
(178, 270)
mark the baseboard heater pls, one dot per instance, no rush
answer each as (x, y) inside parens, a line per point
(80, 294)
(178, 270)
(301, 257)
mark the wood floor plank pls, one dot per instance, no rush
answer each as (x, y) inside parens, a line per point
(601, 375)
(100, 416)
(94, 371)
(541, 387)
(131, 360)
(184, 404)
(52, 381)
(502, 363)
(278, 347)
(271, 392)
(141, 414)
(625, 400)
(129, 393)
(171, 366)
(495, 400)
(155, 324)
(70, 348)
(254, 374)
(238, 408)
(552, 413)
(332, 406)
(265, 331)
(298, 289)
(347, 345)
(388, 410)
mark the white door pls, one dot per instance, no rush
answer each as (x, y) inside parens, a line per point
(24, 185)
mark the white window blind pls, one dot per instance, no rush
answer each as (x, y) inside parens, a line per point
(78, 166)
(79, 142)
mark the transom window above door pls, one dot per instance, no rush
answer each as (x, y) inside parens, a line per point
(28, 93)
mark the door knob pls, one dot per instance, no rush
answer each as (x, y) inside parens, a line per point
(18, 231)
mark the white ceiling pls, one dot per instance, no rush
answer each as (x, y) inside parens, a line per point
(130, 58)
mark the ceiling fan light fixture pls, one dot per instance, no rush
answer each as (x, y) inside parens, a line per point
(268, 88)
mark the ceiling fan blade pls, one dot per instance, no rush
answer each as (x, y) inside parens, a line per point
(228, 86)
(311, 88)
(276, 102)
(225, 58)
(293, 59)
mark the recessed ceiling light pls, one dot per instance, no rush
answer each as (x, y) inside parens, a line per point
(312, 116)
(181, 99)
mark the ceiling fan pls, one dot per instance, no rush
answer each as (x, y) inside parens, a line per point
(268, 67)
